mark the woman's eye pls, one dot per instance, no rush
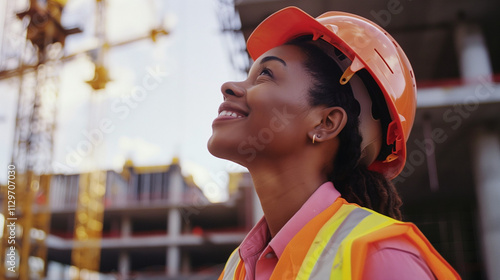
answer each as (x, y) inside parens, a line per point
(266, 72)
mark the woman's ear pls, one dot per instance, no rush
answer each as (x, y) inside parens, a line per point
(333, 121)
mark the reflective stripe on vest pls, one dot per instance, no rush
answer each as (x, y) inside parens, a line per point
(329, 254)
(231, 265)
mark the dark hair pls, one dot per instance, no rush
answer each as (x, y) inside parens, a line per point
(355, 182)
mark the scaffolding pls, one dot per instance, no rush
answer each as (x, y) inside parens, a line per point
(32, 54)
(32, 48)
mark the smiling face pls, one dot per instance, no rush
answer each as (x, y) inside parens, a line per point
(267, 115)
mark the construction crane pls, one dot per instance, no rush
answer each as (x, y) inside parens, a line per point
(33, 58)
(85, 256)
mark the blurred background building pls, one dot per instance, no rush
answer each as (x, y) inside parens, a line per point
(156, 223)
(84, 211)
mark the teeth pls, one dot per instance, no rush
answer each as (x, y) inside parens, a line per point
(231, 114)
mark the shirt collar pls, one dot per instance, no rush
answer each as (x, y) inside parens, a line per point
(259, 237)
(256, 240)
(321, 199)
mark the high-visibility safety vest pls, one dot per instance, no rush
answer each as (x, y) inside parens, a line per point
(334, 245)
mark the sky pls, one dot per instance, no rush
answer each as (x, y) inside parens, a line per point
(162, 98)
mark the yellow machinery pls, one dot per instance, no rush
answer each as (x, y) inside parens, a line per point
(88, 222)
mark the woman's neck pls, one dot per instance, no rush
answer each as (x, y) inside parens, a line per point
(283, 189)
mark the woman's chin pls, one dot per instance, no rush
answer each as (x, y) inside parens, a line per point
(223, 150)
(217, 147)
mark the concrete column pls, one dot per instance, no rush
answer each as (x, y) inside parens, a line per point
(175, 185)
(474, 58)
(174, 220)
(174, 224)
(173, 251)
(173, 260)
(124, 265)
(487, 175)
(126, 227)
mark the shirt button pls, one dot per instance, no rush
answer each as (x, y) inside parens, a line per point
(270, 255)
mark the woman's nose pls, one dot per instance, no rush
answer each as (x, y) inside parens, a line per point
(233, 89)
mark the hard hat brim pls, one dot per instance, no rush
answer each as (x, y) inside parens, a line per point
(281, 27)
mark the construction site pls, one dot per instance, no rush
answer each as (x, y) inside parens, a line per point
(93, 211)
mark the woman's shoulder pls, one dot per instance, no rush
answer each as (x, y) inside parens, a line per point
(395, 258)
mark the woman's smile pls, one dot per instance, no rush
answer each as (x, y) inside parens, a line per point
(230, 111)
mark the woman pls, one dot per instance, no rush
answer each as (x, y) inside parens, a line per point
(321, 124)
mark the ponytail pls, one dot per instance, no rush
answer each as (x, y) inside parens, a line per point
(372, 190)
(355, 182)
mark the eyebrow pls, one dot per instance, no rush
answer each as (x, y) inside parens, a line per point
(270, 58)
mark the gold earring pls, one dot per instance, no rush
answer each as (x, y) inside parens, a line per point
(314, 138)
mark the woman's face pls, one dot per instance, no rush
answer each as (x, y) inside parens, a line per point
(267, 115)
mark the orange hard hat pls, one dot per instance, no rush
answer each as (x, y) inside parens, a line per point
(368, 47)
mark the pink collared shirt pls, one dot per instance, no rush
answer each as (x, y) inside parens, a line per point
(261, 253)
